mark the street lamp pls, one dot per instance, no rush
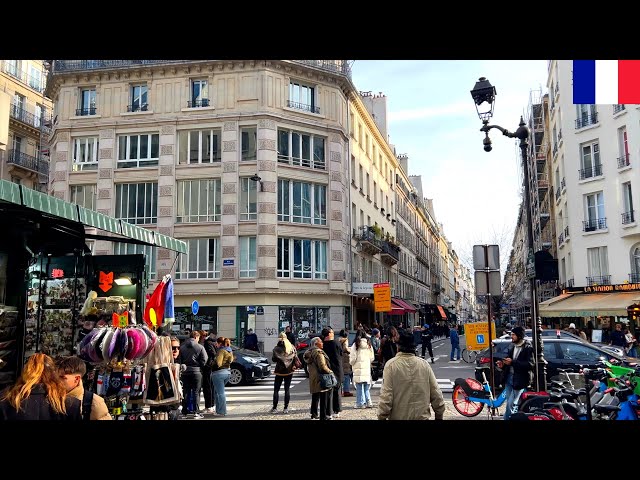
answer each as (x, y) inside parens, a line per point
(484, 93)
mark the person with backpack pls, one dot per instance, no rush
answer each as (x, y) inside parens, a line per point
(72, 369)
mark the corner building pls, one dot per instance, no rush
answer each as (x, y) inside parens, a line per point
(243, 160)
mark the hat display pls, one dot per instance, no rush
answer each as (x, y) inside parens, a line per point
(104, 344)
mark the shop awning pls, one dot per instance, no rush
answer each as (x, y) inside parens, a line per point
(70, 217)
(443, 314)
(588, 304)
(396, 308)
(404, 304)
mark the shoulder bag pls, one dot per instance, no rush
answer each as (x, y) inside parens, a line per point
(327, 380)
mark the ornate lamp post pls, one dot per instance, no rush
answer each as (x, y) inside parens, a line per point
(484, 95)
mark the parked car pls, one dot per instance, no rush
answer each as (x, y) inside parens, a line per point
(560, 353)
(248, 366)
(554, 333)
(304, 344)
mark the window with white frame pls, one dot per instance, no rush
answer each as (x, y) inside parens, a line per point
(248, 199)
(636, 261)
(301, 149)
(590, 160)
(138, 150)
(148, 251)
(586, 115)
(302, 202)
(201, 261)
(623, 147)
(299, 258)
(598, 262)
(247, 257)
(35, 78)
(198, 200)
(139, 98)
(249, 142)
(86, 102)
(137, 203)
(594, 204)
(85, 154)
(302, 97)
(84, 195)
(199, 146)
(199, 93)
(627, 203)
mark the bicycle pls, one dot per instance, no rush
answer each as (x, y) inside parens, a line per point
(469, 356)
(470, 396)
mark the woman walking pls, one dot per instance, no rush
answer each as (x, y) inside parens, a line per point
(220, 377)
(284, 355)
(346, 366)
(360, 358)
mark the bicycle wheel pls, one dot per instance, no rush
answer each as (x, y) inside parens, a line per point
(463, 405)
(469, 356)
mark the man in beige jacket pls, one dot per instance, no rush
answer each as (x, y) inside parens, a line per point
(72, 369)
(410, 389)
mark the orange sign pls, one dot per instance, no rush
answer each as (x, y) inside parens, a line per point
(382, 297)
(106, 281)
(120, 320)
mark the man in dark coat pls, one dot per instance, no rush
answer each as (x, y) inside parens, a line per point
(290, 335)
(333, 349)
(518, 368)
(251, 340)
(194, 357)
(211, 347)
(426, 341)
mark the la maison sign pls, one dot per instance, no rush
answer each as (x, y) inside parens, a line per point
(624, 287)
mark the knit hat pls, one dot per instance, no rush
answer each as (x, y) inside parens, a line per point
(518, 332)
(375, 331)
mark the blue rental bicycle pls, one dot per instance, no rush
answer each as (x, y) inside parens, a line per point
(470, 396)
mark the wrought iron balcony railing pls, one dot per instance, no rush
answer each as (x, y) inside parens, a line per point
(82, 112)
(634, 278)
(594, 224)
(623, 161)
(561, 239)
(566, 231)
(36, 165)
(30, 119)
(390, 249)
(203, 102)
(303, 106)
(586, 120)
(557, 193)
(599, 280)
(35, 83)
(618, 108)
(628, 217)
(138, 107)
(563, 183)
(594, 171)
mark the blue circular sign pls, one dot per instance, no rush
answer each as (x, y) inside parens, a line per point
(195, 307)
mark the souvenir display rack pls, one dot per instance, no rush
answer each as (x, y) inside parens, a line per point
(8, 344)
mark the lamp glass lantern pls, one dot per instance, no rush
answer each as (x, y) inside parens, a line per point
(484, 97)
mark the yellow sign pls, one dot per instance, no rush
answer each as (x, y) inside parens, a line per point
(382, 297)
(477, 335)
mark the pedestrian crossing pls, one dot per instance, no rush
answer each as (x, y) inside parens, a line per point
(445, 384)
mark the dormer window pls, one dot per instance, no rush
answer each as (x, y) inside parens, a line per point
(199, 94)
(139, 96)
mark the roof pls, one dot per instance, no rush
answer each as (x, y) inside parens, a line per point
(68, 218)
(588, 304)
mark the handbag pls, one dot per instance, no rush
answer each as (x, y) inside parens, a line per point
(328, 380)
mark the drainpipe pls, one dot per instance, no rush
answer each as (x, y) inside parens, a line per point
(348, 160)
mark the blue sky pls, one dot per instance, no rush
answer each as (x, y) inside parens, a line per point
(432, 118)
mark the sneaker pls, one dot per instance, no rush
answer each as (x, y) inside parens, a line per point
(273, 410)
(359, 406)
(347, 394)
(198, 416)
(328, 417)
(369, 405)
(336, 415)
(314, 417)
(433, 361)
(210, 410)
(285, 411)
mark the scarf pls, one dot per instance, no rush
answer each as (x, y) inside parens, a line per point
(284, 357)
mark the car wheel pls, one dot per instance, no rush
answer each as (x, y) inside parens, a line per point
(237, 376)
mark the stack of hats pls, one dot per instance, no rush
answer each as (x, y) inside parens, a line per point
(104, 344)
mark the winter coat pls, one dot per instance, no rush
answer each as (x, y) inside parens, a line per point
(37, 407)
(211, 347)
(455, 338)
(224, 358)
(284, 362)
(410, 390)
(317, 361)
(193, 355)
(334, 351)
(388, 348)
(360, 360)
(522, 367)
(99, 410)
(346, 366)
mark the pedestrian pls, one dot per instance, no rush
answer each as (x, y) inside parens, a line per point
(72, 369)
(360, 357)
(333, 349)
(617, 337)
(346, 366)
(426, 341)
(211, 347)
(220, 377)
(630, 343)
(410, 389)
(290, 335)
(194, 357)
(455, 343)
(375, 341)
(284, 355)
(589, 330)
(389, 345)
(517, 369)
(39, 394)
(317, 363)
(251, 341)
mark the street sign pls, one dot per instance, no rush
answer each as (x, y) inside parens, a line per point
(382, 297)
(227, 262)
(477, 335)
(195, 306)
(493, 254)
(494, 288)
(260, 311)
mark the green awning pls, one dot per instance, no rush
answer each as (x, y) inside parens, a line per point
(48, 204)
(165, 241)
(139, 233)
(99, 220)
(10, 192)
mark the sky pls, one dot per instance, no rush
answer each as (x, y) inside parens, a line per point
(431, 117)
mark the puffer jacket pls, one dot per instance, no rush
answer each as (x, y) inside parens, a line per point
(346, 366)
(409, 390)
(224, 358)
(360, 360)
(193, 355)
(317, 361)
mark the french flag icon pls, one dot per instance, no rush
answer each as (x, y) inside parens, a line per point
(606, 81)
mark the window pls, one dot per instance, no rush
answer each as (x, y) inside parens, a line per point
(308, 258)
(199, 94)
(17, 144)
(247, 257)
(636, 261)
(352, 127)
(137, 202)
(598, 263)
(138, 99)
(375, 193)
(84, 195)
(297, 148)
(12, 67)
(201, 261)
(148, 251)
(87, 102)
(595, 212)
(141, 150)
(85, 154)
(590, 160)
(361, 178)
(199, 146)
(580, 353)
(366, 143)
(627, 202)
(37, 115)
(302, 97)
(198, 200)
(302, 202)
(353, 169)
(360, 134)
(249, 141)
(585, 115)
(35, 78)
(623, 147)
(248, 199)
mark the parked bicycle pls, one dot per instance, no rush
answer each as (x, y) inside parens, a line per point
(470, 396)
(469, 356)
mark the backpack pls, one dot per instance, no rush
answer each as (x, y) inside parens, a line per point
(87, 400)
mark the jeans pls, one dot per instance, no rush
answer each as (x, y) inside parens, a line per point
(362, 394)
(455, 349)
(276, 389)
(346, 382)
(513, 396)
(191, 385)
(219, 379)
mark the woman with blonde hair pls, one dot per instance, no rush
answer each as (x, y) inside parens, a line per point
(284, 355)
(220, 377)
(39, 394)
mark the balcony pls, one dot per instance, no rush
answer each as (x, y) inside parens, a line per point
(543, 185)
(628, 217)
(303, 106)
(618, 108)
(83, 112)
(563, 184)
(136, 107)
(368, 241)
(390, 253)
(594, 224)
(35, 83)
(28, 162)
(544, 219)
(623, 161)
(586, 120)
(21, 115)
(566, 232)
(568, 284)
(561, 239)
(600, 280)
(558, 192)
(203, 102)
(590, 172)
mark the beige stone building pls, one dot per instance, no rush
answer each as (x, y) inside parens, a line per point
(26, 123)
(244, 160)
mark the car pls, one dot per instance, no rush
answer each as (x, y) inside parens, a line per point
(248, 366)
(560, 353)
(304, 344)
(554, 333)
